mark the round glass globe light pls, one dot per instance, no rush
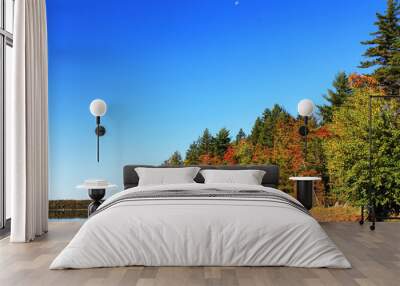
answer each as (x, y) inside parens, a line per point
(98, 107)
(305, 107)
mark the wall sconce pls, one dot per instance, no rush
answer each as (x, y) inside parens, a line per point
(305, 109)
(98, 108)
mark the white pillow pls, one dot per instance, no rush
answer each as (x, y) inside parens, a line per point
(248, 177)
(166, 176)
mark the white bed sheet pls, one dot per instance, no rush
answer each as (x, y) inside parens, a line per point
(200, 232)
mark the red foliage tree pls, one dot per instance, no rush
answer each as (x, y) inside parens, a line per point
(229, 156)
(363, 81)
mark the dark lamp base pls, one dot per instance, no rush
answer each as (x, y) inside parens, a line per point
(304, 193)
(96, 195)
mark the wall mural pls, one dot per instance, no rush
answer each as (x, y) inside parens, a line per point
(211, 82)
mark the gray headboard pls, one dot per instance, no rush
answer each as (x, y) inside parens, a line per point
(271, 177)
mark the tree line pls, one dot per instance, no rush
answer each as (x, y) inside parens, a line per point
(338, 141)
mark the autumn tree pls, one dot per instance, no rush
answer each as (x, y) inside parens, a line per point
(335, 97)
(287, 151)
(261, 155)
(347, 151)
(229, 156)
(383, 53)
(244, 152)
(365, 82)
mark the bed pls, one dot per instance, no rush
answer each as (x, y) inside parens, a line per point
(198, 224)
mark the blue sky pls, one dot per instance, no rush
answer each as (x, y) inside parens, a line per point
(169, 69)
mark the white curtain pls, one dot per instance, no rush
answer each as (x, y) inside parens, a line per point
(27, 160)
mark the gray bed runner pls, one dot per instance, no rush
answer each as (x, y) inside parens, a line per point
(204, 193)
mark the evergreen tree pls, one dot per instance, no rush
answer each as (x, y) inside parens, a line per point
(269, 120)
(174, 160)
(336, 97)
(267, 127)
(192, 154)
(240, 136)
(255, 132)
(384, 50)
(221, 142)
(206, 143)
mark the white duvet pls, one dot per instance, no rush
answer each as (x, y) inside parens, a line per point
(199, 231)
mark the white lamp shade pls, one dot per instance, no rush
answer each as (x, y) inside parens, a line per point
(98, 107)
(305, 107)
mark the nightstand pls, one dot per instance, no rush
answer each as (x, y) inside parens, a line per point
(96, 190)
(305, 187)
